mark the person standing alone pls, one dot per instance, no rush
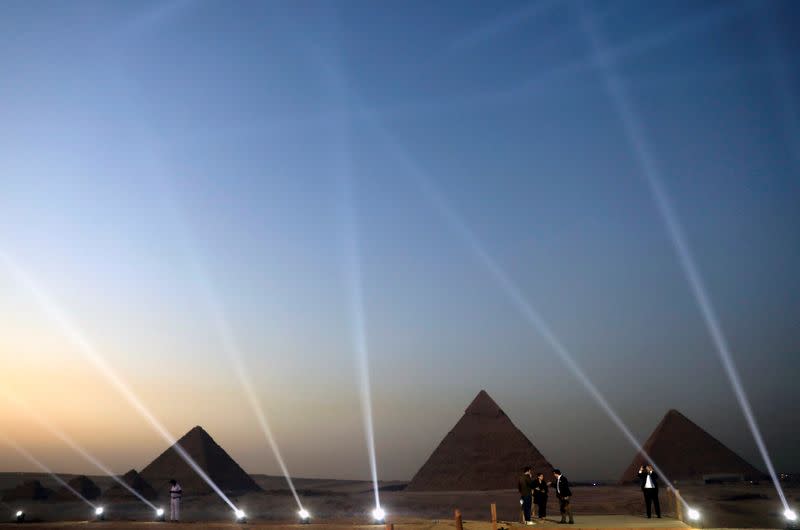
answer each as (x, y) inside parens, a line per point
(649, 482)
(525, 487)
(564, 494)
(175, 496)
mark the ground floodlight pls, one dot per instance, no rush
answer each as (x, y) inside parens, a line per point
(378, 515)
(304, 515)
(790, 515)
(99, 513)
(693, 514)
(160, 514)
(241, 517)
(20, 516)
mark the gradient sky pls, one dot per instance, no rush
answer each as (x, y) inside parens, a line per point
(158, 155)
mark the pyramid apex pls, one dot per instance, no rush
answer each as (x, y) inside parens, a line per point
(483, 405)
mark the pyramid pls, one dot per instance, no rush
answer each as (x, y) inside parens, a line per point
(83, 485)
(484, 451)
(211, 458)
(684, 451)
(133, 479)
(31, 490)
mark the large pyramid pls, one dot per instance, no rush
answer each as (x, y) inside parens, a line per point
(484, 451)
(211, 458)
(684, 451)
(135, 481)
(83, 485)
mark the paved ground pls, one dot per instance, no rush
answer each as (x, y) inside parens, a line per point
(584, 522)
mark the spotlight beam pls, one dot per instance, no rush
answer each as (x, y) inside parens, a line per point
(44, 423)
(231, 347)
(33, 460)
(353, 281)
(507, 286)
(87, 350)
(226, 336)
(649, 170)
(349, 235)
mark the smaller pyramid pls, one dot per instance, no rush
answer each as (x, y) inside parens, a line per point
(209, 456)
(684, 451)
(135, 481)
(31, 490)
(484, 451)
(83, 485)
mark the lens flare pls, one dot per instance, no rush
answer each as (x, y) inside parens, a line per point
(649, 169)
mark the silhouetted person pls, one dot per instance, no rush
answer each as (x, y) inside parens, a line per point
(561, 484)
(540, 495)
(525, 487)
(175, 496)
(649, 482)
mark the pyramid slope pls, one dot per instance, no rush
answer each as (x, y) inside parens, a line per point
(83, 485)
(484, 451)
(133, 479)
(211, 458)
(684, 451)
(31, 490)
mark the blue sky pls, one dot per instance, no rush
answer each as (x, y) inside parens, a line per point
(153, 151)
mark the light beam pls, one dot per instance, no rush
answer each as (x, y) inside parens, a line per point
(44, 423)
(87, 350)
(231, 347)
(518, 299)
(649, 170)
(33, 460)
(353, 281)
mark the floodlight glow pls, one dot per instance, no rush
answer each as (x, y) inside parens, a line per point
(240, 515)
(378, 514)
(160, 514)
(693, 514)
(790, 515)
(99, 510)
(304, 515)
(20, 516)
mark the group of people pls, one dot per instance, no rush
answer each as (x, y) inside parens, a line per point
(536, 490)
(533, 490)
